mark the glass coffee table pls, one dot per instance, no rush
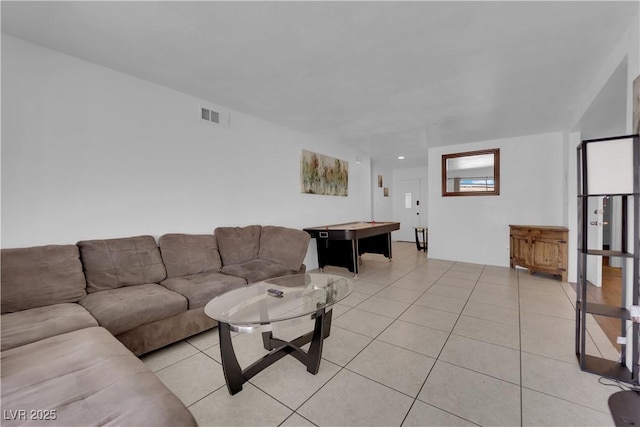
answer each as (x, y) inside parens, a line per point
(260, 305)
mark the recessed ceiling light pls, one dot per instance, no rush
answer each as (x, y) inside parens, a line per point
(400, 157)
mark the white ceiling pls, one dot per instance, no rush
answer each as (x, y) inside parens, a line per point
(389, 78)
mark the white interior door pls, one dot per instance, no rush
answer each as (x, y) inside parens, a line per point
(595, 238)
(407, 209)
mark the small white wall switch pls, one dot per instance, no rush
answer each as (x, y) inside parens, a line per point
(635, 313)
(622, 340)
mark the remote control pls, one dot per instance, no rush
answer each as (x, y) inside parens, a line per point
(275, 293)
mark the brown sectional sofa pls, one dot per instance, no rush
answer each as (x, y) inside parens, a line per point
(62, 306)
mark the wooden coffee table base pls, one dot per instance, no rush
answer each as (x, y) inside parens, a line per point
(236, 377)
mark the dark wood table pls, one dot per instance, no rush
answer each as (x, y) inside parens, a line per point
(257, 307)
(342, 244)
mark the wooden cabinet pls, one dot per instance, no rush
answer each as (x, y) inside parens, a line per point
(539, 248)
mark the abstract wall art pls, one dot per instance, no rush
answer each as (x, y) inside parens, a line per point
(320, 174)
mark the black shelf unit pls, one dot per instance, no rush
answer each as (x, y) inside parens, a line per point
(623, 369)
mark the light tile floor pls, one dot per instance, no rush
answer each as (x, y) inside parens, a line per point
(420, 342)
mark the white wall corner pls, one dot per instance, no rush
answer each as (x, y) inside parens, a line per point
(627, 47)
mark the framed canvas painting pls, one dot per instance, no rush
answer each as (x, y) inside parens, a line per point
(320, 174)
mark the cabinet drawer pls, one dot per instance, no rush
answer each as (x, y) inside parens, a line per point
(553, 236)
(519, 232)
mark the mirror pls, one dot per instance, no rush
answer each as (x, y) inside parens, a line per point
(472, 173)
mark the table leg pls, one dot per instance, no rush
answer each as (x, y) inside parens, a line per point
(355, 254)
(266, 340)
(327, 323)
(314, 355)
(230, 366)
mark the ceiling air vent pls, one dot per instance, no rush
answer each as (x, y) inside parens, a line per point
(221, 118)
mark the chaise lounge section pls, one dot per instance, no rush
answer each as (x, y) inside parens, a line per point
(85, 377)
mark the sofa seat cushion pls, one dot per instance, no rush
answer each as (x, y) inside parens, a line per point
(114, 263)
(40, 276)
(123, 309)
(200, 288)
(287, 246)
(27, 326)
(185, 254)
(238, 244)
(257, 270)
(88, 378)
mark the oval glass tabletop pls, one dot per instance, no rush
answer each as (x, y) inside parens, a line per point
(302, 294)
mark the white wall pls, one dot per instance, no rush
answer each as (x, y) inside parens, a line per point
(572, 141)
(382, 206)
(88, 152)
(476, 229)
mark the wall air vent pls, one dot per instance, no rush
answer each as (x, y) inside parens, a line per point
(221, 118)
(210, 115)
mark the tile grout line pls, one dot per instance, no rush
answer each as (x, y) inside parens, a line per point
(381, 332)
(520, 280)
(443, 346)
(520, 348)
(342, 368)
(295, 411)
(523, 387)
(415, 399)
(437, 357)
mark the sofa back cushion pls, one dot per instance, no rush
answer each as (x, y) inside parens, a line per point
(238, 244)
(40, 276)
(284, 245)
(186, 254)
(114, 263)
